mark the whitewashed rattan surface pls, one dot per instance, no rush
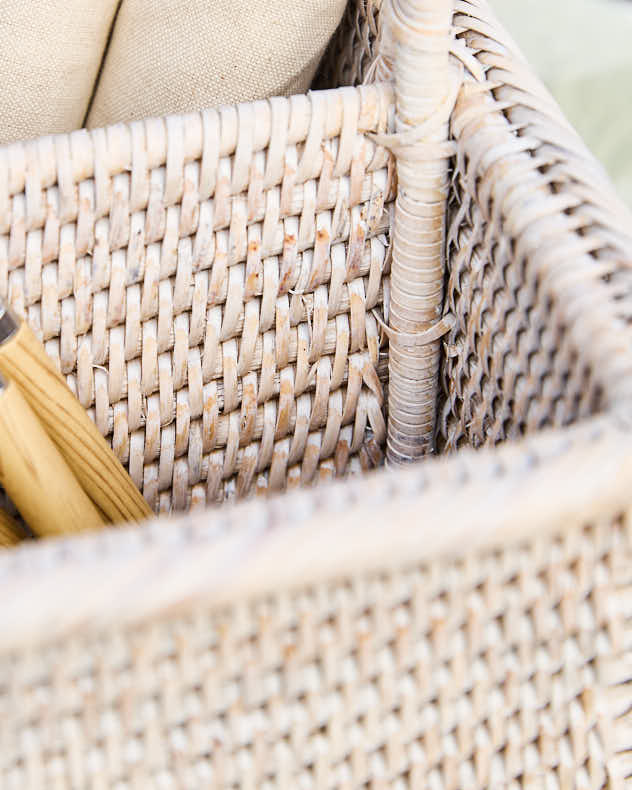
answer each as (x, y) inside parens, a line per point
(462, 623)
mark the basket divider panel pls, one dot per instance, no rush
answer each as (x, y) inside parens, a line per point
(419, 32)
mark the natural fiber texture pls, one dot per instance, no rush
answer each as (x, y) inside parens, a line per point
(425, 89)
(507, 667)
(460, 623)
(168, 57)
(549, 482)
(51, 54)
(536, 246)
(224, 267)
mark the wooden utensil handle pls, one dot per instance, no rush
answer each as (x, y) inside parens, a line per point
(24, 360)
(35, 475)
(10, 531)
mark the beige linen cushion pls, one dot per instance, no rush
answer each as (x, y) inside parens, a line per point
(50, 54)
(170, 56)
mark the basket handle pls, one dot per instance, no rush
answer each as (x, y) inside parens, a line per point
(419, 35)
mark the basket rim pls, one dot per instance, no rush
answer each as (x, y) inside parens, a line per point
(448, 507)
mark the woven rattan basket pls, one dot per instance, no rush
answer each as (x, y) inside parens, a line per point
(265, 297)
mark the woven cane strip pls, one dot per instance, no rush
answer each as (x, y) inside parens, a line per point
(499, 669)
(207, 282)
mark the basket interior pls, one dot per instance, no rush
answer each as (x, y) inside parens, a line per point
(509, 365)
(212, 287)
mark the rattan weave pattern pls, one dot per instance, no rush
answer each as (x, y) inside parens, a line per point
(515, 359)
(525, 219)
(462, 623)
(507, 372)
(224, 267)
(510, 366)
(499, 670)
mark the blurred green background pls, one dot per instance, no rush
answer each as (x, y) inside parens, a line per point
(582, 50)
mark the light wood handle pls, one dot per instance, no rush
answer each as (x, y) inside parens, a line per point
(10, 531)
(35, 475)
(24, 360)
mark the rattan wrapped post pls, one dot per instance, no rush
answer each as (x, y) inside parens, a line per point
(420, 32)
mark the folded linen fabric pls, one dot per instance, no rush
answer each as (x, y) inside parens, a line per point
(51, 54)
(183, 55)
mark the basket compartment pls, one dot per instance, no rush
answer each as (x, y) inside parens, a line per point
(211, 285)
(207, 284)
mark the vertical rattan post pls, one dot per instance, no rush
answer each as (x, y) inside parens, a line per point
(420, 31)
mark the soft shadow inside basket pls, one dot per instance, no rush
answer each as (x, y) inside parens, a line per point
(226, 335)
